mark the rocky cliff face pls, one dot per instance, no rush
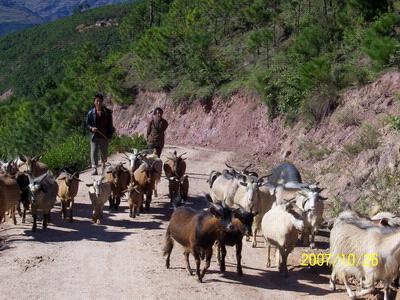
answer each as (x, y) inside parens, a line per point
(333, 153)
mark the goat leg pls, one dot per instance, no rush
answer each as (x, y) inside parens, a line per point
(186, 253)
(197, 259)
(239, 258)
(148, 200)
(254, 243)
(169, 245)
(70, 212)
(332, 283)
(117, 202)
(63, 210)
(34, 226)
(45, 221)
(23, 215)
(207, 265)
(222, 248)
(130, 211)
(111, 202)
(268, 256)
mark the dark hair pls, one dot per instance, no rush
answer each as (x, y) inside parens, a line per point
(99, 95)
(158, 110)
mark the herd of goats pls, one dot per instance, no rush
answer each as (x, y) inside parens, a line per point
(241, 204)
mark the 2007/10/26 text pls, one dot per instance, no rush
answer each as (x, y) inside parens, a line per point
(350, 259)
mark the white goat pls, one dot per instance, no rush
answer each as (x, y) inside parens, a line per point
(99, 192)
(308, 198)
(376, 252)
(280, 227)
(266, 197)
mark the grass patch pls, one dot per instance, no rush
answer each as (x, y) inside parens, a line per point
(367, 138)
(383, 190)
(75, 151)
(312, 150)
(348, 118)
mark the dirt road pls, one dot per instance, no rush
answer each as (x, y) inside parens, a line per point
(122, 257)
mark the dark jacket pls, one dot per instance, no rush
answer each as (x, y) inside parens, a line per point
(91, 122)
(155, 132)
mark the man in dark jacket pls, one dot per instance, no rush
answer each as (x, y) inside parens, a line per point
(100, 125)
(156, 131)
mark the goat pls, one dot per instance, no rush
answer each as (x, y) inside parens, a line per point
(23, 183)
(68, 185)
(135, 199)
(178, 190)
(308, 198)
(119, 178)
(43, 193)
(33, 166)
(349, 238)
(99, 192)
(9, 196)
(197, 232)
(241, 226)
(157, 166)
(266, 198)
(280, 226)
(175, 165)
(135, 159)
(143, 177)
(285, 172)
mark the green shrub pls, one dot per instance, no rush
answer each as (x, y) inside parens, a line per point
(394, 122)
(125, 143)
(367, 138)
(380, 41)
(75, 151)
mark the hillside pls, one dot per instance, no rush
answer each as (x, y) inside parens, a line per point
(354, 153)
(28, 56)
(297, 59)
(19, 14)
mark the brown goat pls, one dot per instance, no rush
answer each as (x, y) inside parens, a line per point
(135, 198)
(119, 179)
(33, 166)
(175, 165)
(144, 177)
(197, 232)
(157, 166)
(9, 196)
(68, 185)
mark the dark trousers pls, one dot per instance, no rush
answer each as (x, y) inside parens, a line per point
(158, 148)
(98, 145)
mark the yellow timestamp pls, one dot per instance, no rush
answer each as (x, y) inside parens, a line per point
(348, 259)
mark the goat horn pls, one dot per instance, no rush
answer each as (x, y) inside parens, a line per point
(226, 164)
(246, 168)
(182, 154)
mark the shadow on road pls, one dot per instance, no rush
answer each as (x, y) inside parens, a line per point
(272, 280)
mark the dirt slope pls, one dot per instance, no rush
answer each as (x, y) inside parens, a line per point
(122, 258)
(240, 124)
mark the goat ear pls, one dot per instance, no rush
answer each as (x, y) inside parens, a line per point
(23, 158)
(89, 184)
(216, 209)
(384, 222)
(62, 177)
(322, 198)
